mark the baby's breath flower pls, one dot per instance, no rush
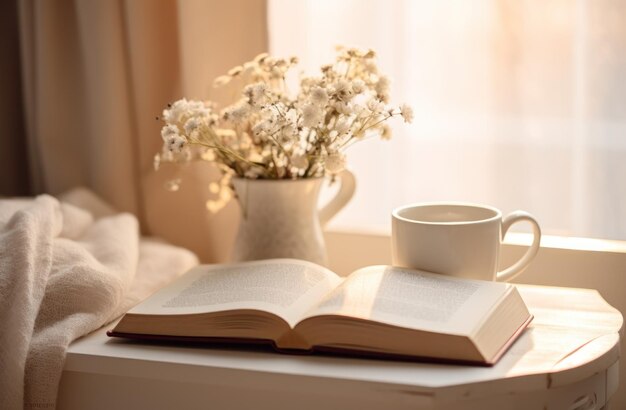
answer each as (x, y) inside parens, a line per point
(370, 66)
(357, 108)
(175, 111)
(236, 113)
(212, 119)
(326, 68)
(259, 59)
(249, 68)
(261, 127)
(255, 93)
(253, 173)
(358, 86)
(196, 108)
(269, 133)
(343, 107)
(342, 90)
(311, 115)
(375, 106)
(369, 54)
(291, 116)
(208, 155)
(308, 83)
(386, 132)
(407, 112)
(288, 132)
(299, 161)
(270, 113)
(235, 71)
(166, 155)
(175, 143)
(221, 80)
(319, 96)
(169, 130)
(342, 125)
(382, 88)
(173, 185)
(335, 163)
(191, 125)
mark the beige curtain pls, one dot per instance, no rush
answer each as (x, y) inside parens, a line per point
(96, 74)
(14, 179)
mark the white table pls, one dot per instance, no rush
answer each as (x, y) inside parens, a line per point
(567, 359)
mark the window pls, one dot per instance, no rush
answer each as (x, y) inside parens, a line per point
(521, 105)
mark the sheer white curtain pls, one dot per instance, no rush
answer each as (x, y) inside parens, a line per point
(521, 105)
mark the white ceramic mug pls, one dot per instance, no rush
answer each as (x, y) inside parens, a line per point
(457, 239)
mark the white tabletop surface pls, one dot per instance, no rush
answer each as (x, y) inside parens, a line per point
(574, 335)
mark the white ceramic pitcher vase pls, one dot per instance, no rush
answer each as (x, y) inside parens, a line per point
(281, 219)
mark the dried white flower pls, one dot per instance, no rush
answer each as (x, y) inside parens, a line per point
(173, 185)
(291, 117)
(319, 96)
(358, 86)
(255, 93)
(407, 112)
(221, 80)
(299, 161)
(196, 109)
(175, 111)
(311, 116)
(156, 161)
(342, 107)
(357, 108)
(382, 88)
(249, 68)
(342, 90)
(259, 59)
(288, 132)
(237, 113)
(342, 125)
(235, 71)
(370, 66)
(175, 143)
(375, 106)
(169, 130)
(166, 155)
(261, 127)
(224, 196)
(208, 155)
(191, 125)
(386, 132)
(253, 173)
(335, 162)
(269, 133)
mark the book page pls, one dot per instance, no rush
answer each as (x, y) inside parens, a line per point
(285, 287)
(413, 299)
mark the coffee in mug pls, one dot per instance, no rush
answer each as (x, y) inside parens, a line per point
(457, 239)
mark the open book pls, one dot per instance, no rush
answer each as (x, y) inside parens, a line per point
(298, 305)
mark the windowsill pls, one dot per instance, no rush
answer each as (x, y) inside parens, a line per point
(349, 250)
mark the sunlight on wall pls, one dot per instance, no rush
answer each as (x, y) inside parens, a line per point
(518, 105)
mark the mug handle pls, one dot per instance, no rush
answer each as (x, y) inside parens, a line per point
(519, 266)
(345, 193)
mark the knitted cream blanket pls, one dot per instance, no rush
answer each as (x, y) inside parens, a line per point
(67, 268)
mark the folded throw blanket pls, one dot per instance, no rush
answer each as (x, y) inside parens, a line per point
(67, 267)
